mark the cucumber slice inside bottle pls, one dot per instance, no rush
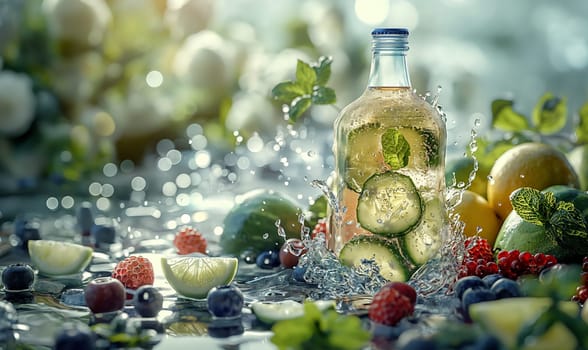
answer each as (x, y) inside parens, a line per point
(389, 204)
(393, 266)
(421, 243)
(364, 157)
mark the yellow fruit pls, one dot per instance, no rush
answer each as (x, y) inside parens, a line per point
(461, 169)
(535, 165)
(479, 217)
(504, 319)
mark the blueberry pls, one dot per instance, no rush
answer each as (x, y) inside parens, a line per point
(473, 296)
(268, 259)
(249, 256)
(74, 337)
(490, 279)
(468, 282)
(148, 301)
(298, 273)
(506, 288)
(225, 301)
(18, 277)
(487, 342)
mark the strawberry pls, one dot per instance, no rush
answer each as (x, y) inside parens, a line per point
(189, 240)
(389, 306)
(320, 227)
(134, 272)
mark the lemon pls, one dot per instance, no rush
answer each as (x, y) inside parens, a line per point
(533, 164)
(195, 276)
(478, 216)
(271, 312)
(56, 258)
(504, 319)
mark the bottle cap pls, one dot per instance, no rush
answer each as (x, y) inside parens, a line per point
(389, 31)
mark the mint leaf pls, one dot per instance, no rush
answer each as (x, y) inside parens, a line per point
(305, 75)
(550, 113)
(323, 70)
(323, 95)
(299, 106)
(308, 88)
(531, 205)
(505, 118)
(395, 149)
(582, 127)
(287, 91)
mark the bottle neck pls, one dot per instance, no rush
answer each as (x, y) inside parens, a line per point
(388, 66)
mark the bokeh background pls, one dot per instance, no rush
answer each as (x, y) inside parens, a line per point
(94, 88)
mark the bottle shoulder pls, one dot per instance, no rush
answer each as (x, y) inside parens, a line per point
(395, 104)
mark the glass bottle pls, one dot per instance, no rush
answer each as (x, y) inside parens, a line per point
(389, 182)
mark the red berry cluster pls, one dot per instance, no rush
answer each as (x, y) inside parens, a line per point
(134, 272)
(582, 290)
(478, 259)
(513, 263)
(320, 227)
(189, 240)
(393, 302)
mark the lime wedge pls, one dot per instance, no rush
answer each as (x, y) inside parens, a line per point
(56, 258)
(272, 312)
(194, 276)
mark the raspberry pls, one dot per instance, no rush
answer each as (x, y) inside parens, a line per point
(189, 240)
(405, 289)
(134, 272)
(320, 227)
(389, 306)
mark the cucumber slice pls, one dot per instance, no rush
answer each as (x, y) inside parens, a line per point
(421, 243)
(272, 312)
(393, 266)
(364, 156)
(389, 204)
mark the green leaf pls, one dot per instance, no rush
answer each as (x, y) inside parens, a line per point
(305, 75)
(287, 91)
(323, 70)
(322, 95)
(550, 113)
(395, 149)
(298, 107)
(528, 203)
(505, 118)
(582, 128)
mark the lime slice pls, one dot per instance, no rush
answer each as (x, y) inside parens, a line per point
(389, 204)
(56, 258)
(194, 276)
(272, 312)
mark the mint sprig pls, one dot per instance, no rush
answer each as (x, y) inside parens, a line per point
(563, 222)
(309, 88)
(317, 330)
(395, 149)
